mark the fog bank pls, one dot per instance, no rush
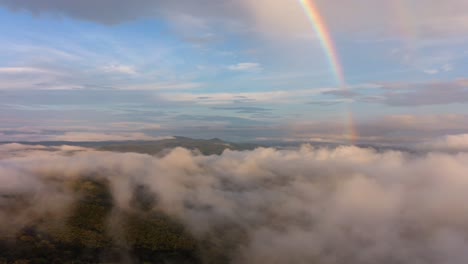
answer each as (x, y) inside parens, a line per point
(307, 205)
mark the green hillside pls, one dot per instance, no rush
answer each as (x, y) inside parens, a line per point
(95, 231)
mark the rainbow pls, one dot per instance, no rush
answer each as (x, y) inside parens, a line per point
(320, 28)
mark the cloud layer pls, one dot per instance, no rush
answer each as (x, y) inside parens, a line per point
(416, 18)
(326, 205)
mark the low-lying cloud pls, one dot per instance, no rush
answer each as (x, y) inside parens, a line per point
(325, 205)
(449, 143)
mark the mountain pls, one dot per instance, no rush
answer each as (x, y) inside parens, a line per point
(213, 146)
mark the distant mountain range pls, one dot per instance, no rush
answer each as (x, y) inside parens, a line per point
(213, 146)
(205, 146)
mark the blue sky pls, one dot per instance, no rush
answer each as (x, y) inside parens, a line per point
(238, 70)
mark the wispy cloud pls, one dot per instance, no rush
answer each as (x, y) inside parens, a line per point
(217, 98)
(407, 94)
(431, 93)
(242, 109)
(25, 71)
(245, 67)
(118, 68)
(85, 137)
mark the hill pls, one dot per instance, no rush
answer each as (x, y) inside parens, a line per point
(213, 146)
(95, 231)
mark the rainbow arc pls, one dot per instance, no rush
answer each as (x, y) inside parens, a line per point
(318, 23)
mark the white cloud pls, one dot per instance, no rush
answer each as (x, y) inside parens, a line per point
(155, 86)
(119, 68)
(32, 78)
(246, 67)
(447, 67)
(447, 143)
(305, 205)
(397, 130)
(85, 136)
(249, 97)
(24, 71)
(431, 71)
(136, 126)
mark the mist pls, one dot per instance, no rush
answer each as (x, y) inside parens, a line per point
(306, 205)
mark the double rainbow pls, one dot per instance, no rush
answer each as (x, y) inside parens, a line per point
(320, 28)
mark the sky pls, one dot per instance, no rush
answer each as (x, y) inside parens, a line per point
(240, 70)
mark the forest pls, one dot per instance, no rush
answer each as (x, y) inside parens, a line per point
(94, 231)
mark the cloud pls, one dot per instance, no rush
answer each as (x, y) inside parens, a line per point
(220, 98)
(118, 68)
(87, 10)
(408, 94)
(395, 130)
(420, 18)
(327, 102)
(136, 126)
(342, 93)
(85, 136)
(71, 66)
(432, 93)
(111, 77)
(245, 67)
(279, 96)
(451, 143)
(216, 120)
(14, 150)
(74, 130)
(431, 71)
(326, 205)
(19, 147)
(416, 19)
(242, 109)
(13, 78)
(156, 86)
(23, 71)
(79, 136)
(383, 129)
